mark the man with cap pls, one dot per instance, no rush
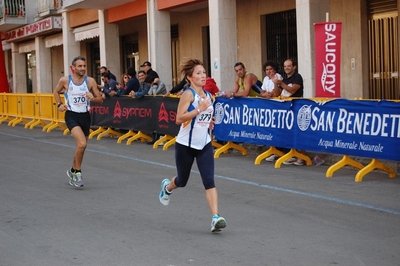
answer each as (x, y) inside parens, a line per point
(150, 72)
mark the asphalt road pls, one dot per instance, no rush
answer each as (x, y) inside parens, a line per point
(288, 216)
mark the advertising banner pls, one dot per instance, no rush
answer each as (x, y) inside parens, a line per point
(327, 59)
(146, 114)
(360, 128)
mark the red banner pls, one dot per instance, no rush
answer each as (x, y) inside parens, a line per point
(327, 59)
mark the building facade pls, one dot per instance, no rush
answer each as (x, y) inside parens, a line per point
(40, 39)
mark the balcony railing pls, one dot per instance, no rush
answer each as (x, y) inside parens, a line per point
(12, 8)
(45, 6)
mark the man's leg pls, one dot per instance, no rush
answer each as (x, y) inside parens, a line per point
(81, 143)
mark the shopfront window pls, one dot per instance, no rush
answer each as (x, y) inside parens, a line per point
(31, 65)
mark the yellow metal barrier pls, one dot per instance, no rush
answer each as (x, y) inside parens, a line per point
(13, 107)
(44, 113)
(58, 117)
(26, 109)
(3, 113)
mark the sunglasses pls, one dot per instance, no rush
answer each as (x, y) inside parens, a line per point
(126, 77)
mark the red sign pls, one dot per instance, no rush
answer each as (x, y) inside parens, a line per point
(33, 29)
(327, 59)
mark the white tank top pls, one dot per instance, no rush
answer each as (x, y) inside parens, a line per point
(194, 133)
(75, 97)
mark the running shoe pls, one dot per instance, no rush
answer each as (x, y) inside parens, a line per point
(272, 158)
(72, 177)
(290, 161)
(299, 162)
(79, 180)
(164, 194)
(217, 223)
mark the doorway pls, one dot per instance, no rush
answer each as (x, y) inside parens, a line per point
(383, 35)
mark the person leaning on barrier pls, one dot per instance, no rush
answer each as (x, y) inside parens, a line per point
(246, 83)
(132, 84)
(178, 89)
(79, 90)
(156, 88)
(292, 84)
(110, 86)
(104, 69)
(269, 88)
(143, 88)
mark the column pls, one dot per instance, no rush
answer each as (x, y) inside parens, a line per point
(43, 66)
(71, 48)
(223, 41)
(110, 55)
(18, 69)
(159, 41)
(308, 12)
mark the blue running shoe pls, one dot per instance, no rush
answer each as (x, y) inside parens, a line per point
(164, 195)
(217, 223)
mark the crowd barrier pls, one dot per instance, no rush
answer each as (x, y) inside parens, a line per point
(369, 129)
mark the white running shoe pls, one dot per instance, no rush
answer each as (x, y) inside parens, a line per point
(164, 194)
(217, 223)
(299, 162)
(272, 158)
(290, 161)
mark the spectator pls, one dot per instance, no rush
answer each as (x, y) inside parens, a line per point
(104, 69)
(194, 140)
(143, 88)
(110, 86)
(155, 88)
(269, 88)
(292, 84)
(132, 84)
(124, 80)
(150, 72)
(178, 88)
(246, 83)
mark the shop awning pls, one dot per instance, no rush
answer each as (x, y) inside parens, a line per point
(26, 47)
(6, 46)
(86, 32)
(54, 40)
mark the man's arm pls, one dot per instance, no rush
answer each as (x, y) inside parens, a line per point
(159, 88)
(291, 89)
(141, 93)
(249, 80)
(94, 94)
(178, 87)
(62, 84)
(233, 92)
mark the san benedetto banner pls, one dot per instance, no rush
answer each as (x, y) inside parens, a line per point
(327, 59)
(350, 127)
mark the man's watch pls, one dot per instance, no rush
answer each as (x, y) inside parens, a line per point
(59, 104)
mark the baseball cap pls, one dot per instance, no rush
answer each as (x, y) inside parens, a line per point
(146, 63)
